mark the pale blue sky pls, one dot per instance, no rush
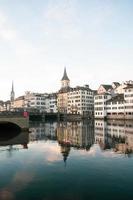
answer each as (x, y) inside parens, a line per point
(92, 38)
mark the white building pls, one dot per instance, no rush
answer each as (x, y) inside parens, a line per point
(115, 105)
(51, 103)
(119, 88)
(100, 100)
(81, 101)
(128, 96)
(5, 106)
(41, 102)
(35, 101)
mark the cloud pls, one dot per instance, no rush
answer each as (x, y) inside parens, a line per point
(51, 151)
(6, 195)
(20, 181)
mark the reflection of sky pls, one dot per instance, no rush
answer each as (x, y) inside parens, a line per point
(39, 172)
(41, 166)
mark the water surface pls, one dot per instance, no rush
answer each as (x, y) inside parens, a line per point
(79, 160)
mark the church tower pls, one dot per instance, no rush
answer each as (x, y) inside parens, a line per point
(12, 97)
(65, 82)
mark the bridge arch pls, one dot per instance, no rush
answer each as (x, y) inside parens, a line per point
(8, 130)
(9, 126)
(18, 121)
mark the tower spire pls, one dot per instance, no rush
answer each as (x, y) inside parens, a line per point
(65, 82)
(12, 87)
(12, 93)
(65, 77)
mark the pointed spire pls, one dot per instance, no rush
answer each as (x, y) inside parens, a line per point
(12, 93)
(65, 77)
(12, 87)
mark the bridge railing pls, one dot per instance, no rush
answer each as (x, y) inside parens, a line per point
(11, 114)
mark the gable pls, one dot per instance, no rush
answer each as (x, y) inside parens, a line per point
(101, 90)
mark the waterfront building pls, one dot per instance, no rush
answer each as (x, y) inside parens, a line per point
(62, 97)
(120, 88)
(103, 94)
(115, 85)
(81, 101)
(117, 103)
(31, 101)
(5, 106)
(105, 89)
(115, 107)
(100, 100)
(128, 96)
(51, 103)
(18, 103)
(1, 106)
(35, 101)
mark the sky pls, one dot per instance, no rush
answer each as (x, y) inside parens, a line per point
(38, 38)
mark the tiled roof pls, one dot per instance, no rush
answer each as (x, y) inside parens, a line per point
(116, 84)
(20, 98)
(128, 86)
(81, 88)
(117, 98)
(107, 87)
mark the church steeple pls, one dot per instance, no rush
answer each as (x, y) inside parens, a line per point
(65, 82)
(12, 93)
(65, 77)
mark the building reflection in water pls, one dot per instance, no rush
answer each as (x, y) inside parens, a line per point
(43, 131)
(79, 135)
(109, 135)
(116, 135)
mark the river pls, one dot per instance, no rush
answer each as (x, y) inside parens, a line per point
(68, 161)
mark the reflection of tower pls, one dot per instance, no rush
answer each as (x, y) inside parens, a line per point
(65, 149)
(65, 82)
(12, 93)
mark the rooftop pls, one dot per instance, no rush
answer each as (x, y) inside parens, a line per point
(119, 97)
(107, 87)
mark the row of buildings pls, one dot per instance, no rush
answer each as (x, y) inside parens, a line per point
(109, 101)
(78, 100)
(114, 101)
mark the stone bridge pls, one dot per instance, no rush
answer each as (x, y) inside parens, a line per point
(17, 119)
